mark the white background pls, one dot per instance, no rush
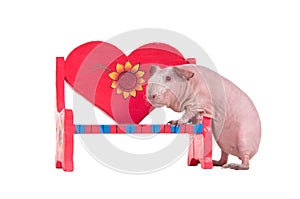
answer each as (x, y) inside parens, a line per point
(254, 44)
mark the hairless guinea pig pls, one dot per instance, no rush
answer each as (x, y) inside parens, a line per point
(199, 91)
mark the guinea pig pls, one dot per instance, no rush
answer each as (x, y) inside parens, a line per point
(198, 91)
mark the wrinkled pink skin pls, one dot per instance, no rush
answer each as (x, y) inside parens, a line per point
(197, 90)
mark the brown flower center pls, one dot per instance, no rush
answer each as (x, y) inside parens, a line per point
(127, 81)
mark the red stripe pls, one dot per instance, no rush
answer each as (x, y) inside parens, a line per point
(189, 128)
(121, 129)
(95, 129)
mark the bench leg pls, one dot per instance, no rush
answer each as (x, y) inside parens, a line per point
(206, 161)
(195, 149)
(64, 141)
(191, 159)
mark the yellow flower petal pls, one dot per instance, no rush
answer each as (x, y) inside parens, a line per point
(133, 93)
(141, 80)
(135, 68)
(139, 88)
(128, 66)
(114, 84)
(125, 94)
(140, 73)
(119, 91)
(114, 75)
(120, 68)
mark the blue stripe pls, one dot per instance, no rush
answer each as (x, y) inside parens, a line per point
(130, 128)
(133, 129)
(198, 128)
(80, 129)
(104, 129)
(175, 129)
(155, 128)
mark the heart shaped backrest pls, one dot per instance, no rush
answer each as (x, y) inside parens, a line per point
(114, 82)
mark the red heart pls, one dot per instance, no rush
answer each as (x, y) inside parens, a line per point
(97, 71)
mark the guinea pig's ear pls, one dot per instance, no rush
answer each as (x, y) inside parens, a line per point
(183, 73)
(153, 69)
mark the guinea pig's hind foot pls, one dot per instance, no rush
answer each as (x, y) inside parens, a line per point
(236, 166)
(222, 161)
(243, 166)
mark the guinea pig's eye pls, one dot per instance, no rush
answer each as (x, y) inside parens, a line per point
(168, 78)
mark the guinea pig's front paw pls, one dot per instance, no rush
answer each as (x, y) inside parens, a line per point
(174, 122)
(178, 122)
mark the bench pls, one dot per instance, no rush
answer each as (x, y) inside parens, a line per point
(116, 83)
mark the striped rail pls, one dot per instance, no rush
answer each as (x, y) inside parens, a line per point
(139, 129)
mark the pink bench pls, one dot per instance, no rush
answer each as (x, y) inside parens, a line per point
(116, 84)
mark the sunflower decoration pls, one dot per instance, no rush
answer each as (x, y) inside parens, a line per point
(127, 79)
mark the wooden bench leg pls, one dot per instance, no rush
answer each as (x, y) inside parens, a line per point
(191, 159)
(206, 161)
(68, 141)
(65, 130)
(59, 140)
(195, 149)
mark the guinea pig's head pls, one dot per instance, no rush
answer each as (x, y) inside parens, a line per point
(166, 86)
